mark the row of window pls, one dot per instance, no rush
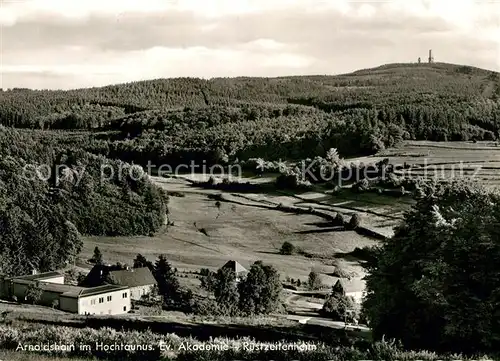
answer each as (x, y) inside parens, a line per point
(108, 298)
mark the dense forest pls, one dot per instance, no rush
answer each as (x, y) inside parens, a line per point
(222, 120)
(50, 195)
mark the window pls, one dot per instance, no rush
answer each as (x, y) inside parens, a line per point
(124, 295)
(101, 299)
(92, 301)
(125, 308)
(108, 298)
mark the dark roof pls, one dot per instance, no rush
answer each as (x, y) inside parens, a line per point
(133, 277)
(39, 276)
(339, 287)
(235, 266)
(79, 292)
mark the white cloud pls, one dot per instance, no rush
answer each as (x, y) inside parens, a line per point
(68, 43)
(264, 44)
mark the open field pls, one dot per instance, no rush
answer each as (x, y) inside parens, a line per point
(443, 160)
(244, 233)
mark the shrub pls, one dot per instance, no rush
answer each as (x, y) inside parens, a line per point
(287, 249)
(339, 220)
(33, 294)
(355, 221)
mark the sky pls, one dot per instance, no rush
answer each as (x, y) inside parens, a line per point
(64, 44)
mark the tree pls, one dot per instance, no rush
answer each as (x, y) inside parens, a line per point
(435, 284)
(33, 293)
(208, 279)
(73, 243)
(338, 306)
(261, 290)
(314, 281)
(168, 284)
(97, 257)
(225, 291)
(141, 261)
(55, 304)
(70, 276)
(287, 249)
(80, 278)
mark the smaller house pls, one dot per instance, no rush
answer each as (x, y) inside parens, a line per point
(240, 271)
(140, 280)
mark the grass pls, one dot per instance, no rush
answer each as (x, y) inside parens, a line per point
(243, 233)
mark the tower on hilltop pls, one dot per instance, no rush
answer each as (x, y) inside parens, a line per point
(431, 58)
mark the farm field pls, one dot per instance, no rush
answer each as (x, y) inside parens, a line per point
(443, 160)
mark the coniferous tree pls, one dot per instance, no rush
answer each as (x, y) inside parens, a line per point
(97, 256)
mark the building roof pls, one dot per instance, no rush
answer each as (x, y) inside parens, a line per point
(133, 277)
(80, 292)
(339, 287)
(39, 276)
(235, 266)
(49, 287)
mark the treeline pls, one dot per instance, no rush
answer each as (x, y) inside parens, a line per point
(221, 134)
(49, 195)
(295, 117)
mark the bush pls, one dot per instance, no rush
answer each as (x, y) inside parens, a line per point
(287, 249)
(33, 294)
(339, 220)
(355, 221)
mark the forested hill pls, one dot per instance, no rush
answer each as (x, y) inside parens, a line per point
(377, 87)
(288, 117)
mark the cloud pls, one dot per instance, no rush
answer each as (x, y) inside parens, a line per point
(80, 43)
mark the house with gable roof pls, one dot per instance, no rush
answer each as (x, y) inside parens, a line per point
(241, 272)
(140, 281)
